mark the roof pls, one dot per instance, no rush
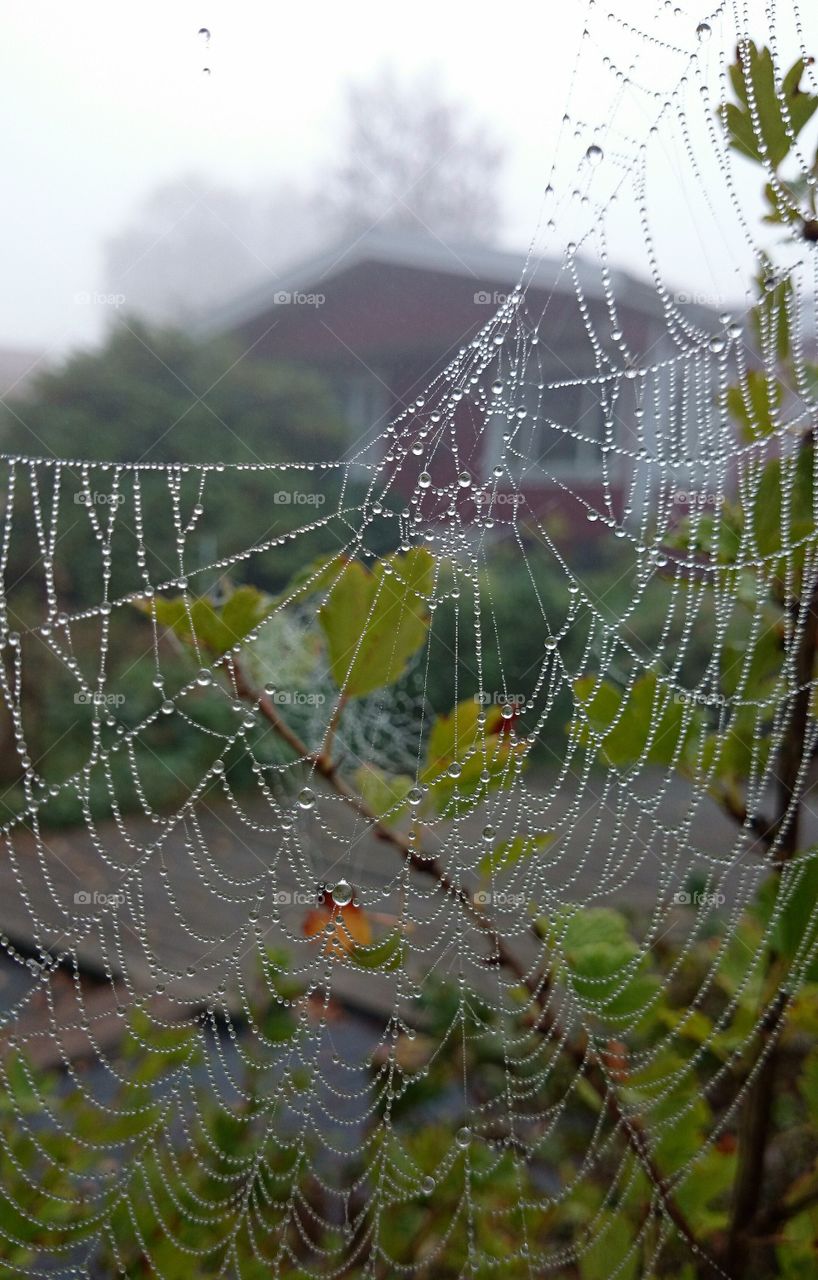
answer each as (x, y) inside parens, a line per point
(427, 253)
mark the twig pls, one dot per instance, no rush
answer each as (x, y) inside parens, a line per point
(755, 1121)
(581, 1052)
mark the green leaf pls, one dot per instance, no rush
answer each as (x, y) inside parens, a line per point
(243, 611)
(752, 404)
(216, 629)
(647, 722)
(317, 576)
(385, 794)
(753, 664)
(374, 622)
(455, 735)
(770, 316)
(387, 954)
(808, 1084)
(458, 738)
(786, 485)
(614, 1250)
(507, 853)
(799, 917)
(600, 961)
(756, 65)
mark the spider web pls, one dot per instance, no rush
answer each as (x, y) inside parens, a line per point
(181, 910)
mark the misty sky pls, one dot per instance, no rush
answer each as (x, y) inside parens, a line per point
(102, 101)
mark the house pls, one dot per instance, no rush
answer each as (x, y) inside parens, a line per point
(382, 318)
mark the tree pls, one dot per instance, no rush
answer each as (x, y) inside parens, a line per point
(412, 160)
(192, 245)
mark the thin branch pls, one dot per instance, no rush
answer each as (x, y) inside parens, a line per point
(755, 1119)
(581, 1052)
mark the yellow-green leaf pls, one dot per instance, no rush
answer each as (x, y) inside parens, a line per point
(375, 621)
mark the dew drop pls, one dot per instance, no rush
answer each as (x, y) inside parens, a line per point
(204, 677)
(488, 834)
(507, 711)
(594, 155)
(463, 1137)
(454, 770)
(204, 35)
(424, 480)
(427, 1186)
(704, 32)
(415, 796)
(342, 893)
(306, 798)
(464, 480)
(167, 707)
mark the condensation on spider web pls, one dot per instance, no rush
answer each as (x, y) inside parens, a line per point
(186, 900)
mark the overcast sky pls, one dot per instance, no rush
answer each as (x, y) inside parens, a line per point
(102, 101)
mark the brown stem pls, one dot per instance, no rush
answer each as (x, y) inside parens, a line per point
(788, 1208)
(581, 1052)
(754, 1130)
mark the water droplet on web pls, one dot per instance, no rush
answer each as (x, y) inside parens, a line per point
(704, 31)
(205, 71)
(342, 893)
(204, 677)
(496, 387)
(507, 711)
(167, 707)
(716, 345)
(427, 1186)
(204, 35)
(306, 798)
(424, 479)
(464, 479)
(594, 155)
(415, 795)
(454, 770)
(488, 834)
(463, 1137)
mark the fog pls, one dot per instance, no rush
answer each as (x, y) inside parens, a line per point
(103, 103)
